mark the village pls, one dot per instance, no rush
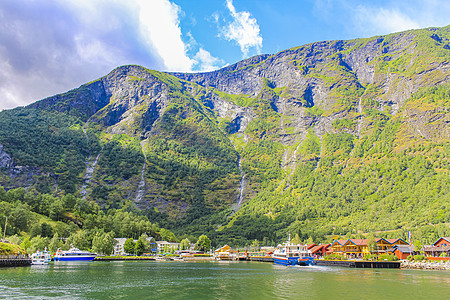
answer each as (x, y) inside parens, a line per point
(378, 249)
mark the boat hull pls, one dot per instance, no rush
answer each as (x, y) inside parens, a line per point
(294, 260)
(306, 261)
(285, 261)
(75, 258)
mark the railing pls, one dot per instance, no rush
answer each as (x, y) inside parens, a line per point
(21, 256)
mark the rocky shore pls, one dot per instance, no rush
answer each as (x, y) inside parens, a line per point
(425, 265)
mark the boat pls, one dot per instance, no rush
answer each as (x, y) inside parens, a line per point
(74, 254)
(289, 254)
(41, 257)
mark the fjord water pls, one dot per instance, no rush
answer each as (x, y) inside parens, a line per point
(216, 280)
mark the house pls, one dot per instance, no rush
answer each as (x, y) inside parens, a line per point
(440, 248)
(442, 242)
(402, 251)
(337, 246)
(118, 247)
(358, 248)
(163, 246)
(120, 242)
(320, 250)
(225, 253)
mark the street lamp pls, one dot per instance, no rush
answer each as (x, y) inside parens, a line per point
(4, 231)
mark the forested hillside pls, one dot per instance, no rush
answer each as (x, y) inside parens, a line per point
(330, 138)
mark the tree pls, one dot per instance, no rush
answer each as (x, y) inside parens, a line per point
(372, 243)
(142, 245)
(103, 243)
(38, 243)
(203, 243)
(255, 245)
(129, 246)
(56, 210)
(185, 244)
(46, 230)
(55, 243)
(81, 240)
(296, 240)
(26, 244)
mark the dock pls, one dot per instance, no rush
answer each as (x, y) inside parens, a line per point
(261, 259)
(15, 262)
(359, 264)
(122, 258)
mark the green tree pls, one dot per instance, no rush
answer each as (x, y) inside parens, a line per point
(38, 243)
(372, 243)
(185, 244)
(203, 243)
(55, 243)
(255, 245)
(142, 245)
(80, 240)
(56, 210)
(129, 246)
(26, 244)
(103, 242)
(46, 230)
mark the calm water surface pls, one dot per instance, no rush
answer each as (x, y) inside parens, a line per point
(216, 280)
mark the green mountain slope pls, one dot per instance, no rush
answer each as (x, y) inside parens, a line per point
(329, 138)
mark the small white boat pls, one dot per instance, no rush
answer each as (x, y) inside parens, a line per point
(41, 257)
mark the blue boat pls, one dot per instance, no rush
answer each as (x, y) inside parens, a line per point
(288, 254)
(74, 254)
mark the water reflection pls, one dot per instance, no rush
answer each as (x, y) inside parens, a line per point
(214, 280)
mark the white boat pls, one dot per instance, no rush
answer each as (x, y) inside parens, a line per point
(41, 257)
(74, 254)
(288, 254)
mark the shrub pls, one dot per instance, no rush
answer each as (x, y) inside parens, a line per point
(419, 257)
(388, 257)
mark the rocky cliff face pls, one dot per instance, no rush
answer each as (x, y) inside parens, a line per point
(191, 131)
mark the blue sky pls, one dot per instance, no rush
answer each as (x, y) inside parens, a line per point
(49, 47)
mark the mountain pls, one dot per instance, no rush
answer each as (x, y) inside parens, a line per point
(329, 138)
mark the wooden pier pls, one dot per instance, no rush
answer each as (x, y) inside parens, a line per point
(261, 258)
(15, 262)
(359, 264)
(122, 258)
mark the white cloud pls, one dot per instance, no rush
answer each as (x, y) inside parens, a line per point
(160, 27)
(48, 47)
(243, 29)
(383, 20)
(206, 61)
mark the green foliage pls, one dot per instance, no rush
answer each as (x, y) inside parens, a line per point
(45, 139)
(129, 246)
(103, 242)
(142, 245)
(203, 243)
(185, 244)
(388, 257)
(419, 257)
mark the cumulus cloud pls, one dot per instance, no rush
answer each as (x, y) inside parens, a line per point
(384, 20)
(369, 18)
(206, 61)
(48, 47)
(243, 29)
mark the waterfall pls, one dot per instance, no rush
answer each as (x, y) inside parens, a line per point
(321, 151)
(90, 167)
(359, 117)
(241, 185)
(141, 186)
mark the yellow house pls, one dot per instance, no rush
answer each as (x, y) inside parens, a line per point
(225, 253)
(358, 248)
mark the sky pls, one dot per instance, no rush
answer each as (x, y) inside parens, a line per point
(52, 46)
